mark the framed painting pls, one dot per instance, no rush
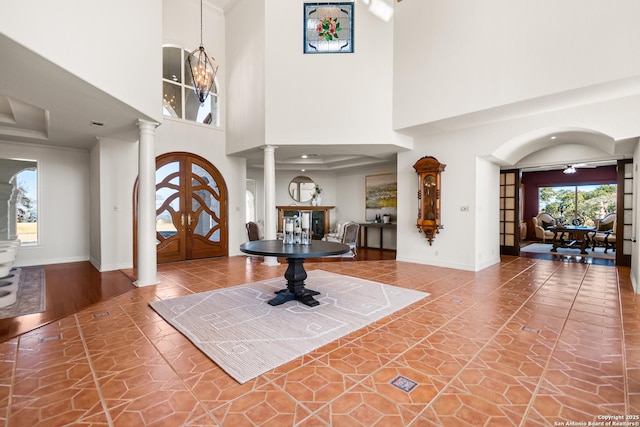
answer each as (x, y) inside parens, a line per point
(381, 196)
(328, 27)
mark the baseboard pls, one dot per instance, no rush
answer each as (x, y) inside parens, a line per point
(634, 282)
(47, 261)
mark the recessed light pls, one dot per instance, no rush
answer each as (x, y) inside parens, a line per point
(302, 170)
(304, 156)
(554, 137)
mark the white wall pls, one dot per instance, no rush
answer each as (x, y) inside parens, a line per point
(95, 235)
(455, 245)
(280, 96)
(63, 204)
(457, 57)
(245, 44)
(124, 43)
(118, 166)
(487, 210)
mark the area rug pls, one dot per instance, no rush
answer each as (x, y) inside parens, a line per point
(247, 337)
(545, 248)
(31, 297)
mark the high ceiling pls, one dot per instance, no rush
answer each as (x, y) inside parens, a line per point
(72, 113)
(59, 110)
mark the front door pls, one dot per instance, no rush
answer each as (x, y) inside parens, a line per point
(191, 209)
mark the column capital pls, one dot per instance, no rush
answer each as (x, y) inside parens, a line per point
(269, 148)
(146, 124)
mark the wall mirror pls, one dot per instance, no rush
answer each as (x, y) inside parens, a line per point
(301, 188)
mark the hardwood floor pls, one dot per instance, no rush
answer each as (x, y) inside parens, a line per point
(73, 286)
(69, 287)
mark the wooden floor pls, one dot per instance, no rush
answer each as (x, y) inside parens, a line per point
(69, 287)
(73, 286)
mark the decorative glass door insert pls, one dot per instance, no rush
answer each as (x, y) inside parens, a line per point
(191, 209)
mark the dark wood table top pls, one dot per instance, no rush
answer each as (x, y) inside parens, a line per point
(571, 228)
(277, 248)
(378, 224)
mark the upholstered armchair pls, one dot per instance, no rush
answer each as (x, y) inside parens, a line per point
(348, 234)
(605, 233)
(540, 225)
(336, 236)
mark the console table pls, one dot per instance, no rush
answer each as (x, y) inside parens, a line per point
(379, 225)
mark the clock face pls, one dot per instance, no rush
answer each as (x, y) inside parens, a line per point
(429, 181)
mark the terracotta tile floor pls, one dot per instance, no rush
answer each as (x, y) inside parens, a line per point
(528, 342)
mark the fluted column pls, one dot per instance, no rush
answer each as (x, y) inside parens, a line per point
(270, 227)
(147, 256)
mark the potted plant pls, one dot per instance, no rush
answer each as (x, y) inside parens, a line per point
(316, 198)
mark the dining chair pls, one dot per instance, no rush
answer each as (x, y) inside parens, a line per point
(253, 231)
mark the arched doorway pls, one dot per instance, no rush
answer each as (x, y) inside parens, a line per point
(191, 209)
(551, 150)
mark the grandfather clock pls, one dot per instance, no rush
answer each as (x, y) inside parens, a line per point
(429, 169)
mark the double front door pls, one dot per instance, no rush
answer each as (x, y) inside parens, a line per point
(191, 209)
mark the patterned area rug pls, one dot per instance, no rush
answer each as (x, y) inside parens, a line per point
(545, 248)
(31, 297)
(247, 337)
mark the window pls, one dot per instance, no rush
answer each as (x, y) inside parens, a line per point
(179, 100)
(27, 206)
(251, 200)
(586, 202)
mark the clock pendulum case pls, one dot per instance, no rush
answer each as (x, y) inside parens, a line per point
(429, 169)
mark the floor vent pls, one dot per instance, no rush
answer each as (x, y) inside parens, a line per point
(404, 384)
(51, 338)
(530, 329)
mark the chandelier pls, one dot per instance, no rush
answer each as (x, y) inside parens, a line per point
(202, 68)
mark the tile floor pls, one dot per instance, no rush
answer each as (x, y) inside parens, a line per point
(528, 342)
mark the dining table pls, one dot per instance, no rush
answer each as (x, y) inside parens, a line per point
(295, 274)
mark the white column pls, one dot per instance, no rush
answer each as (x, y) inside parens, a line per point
(147, 256)
(6, 189)
(13, 213)
(270, 218)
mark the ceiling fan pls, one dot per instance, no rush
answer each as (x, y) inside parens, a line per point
(572, 168)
